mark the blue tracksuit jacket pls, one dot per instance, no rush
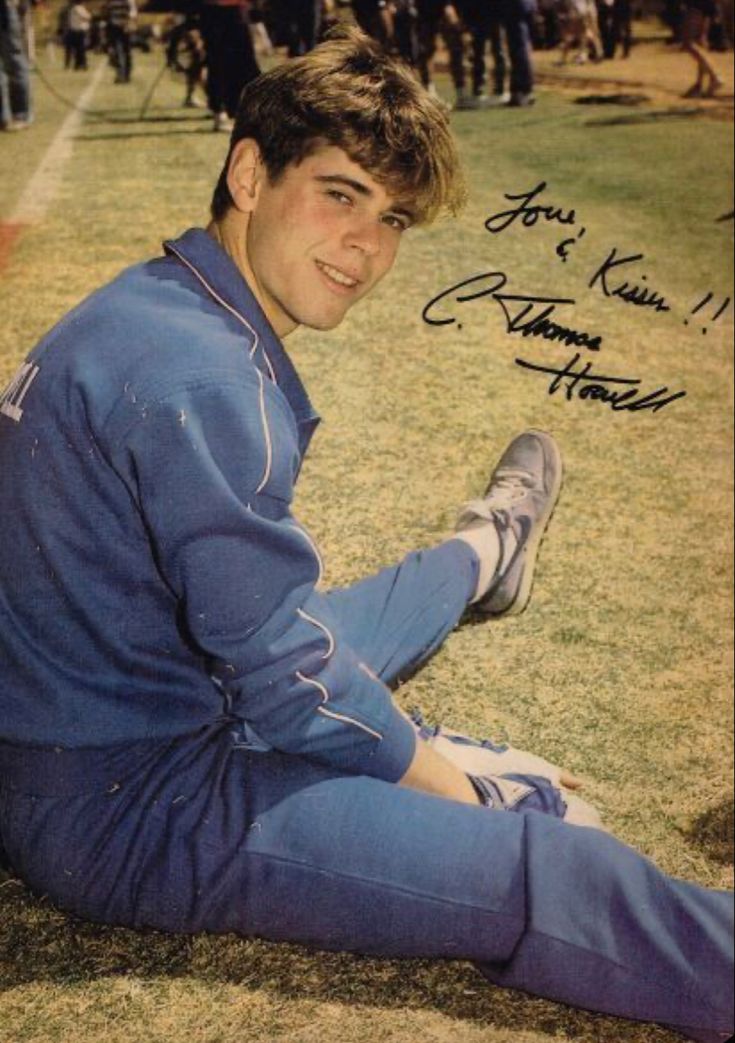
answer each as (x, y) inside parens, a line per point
(152, 576)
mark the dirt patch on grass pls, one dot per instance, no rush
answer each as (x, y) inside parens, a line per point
(713, 832)
(9, 234)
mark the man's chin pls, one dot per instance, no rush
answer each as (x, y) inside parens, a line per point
(323, 323)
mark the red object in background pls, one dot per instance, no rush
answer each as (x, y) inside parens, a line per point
(9, 234)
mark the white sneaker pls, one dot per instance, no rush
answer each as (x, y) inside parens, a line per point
(494, 101)
(223, 123)
(514, 773)
(521, 101)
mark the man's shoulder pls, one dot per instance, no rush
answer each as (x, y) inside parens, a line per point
(159, 311)
(147, 333)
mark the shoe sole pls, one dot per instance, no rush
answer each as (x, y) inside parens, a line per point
(533, 544)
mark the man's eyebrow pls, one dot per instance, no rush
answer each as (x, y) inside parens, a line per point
(363, 190)
(348, 182)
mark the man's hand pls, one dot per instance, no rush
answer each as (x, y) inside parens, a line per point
(444, 760)
(568, 780)
(489, 758)
(432, 773)
(507, 766)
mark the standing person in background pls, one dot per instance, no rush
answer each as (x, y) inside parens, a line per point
(614, 18)
(64, 37)
(261, 38)
(580, 29)
(605, 12)
(623, 25)
(121, 18)
(15, 80)
(405, 31)
(393, 23)
(374, 18)
(483, 20)
(78, 26)
(185, 54)
(516, 18)
(437, 16)
(231, 60)
(549, 19)
(698, 15)
(303, 24)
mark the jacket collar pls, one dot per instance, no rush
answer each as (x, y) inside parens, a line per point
(222, 280)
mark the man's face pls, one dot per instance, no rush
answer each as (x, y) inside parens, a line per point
(319, 240)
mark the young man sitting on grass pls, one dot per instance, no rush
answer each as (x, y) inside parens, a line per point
(195, 736)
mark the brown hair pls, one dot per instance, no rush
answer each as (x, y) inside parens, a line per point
(350, 94)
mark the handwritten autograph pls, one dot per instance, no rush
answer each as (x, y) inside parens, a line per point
(527, 213)
(640, 296)
(534, 316)
(525, 320)
(594, 387)
(517, 307)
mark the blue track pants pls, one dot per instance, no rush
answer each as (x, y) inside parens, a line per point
(210, 833)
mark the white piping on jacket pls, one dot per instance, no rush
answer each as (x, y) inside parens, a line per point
(228, 307)
(370, 673)
(318, 684)
(325, 630)
(266, 435)
(329, 713)
(256, 344)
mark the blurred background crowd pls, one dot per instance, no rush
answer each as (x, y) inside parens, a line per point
(217, 46)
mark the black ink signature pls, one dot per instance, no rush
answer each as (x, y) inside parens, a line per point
(527, 213)
(593, 387)
(641, 296)
(520, 312)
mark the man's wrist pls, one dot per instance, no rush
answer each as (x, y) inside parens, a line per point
(432, 773)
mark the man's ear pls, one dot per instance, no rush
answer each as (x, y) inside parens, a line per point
(245, 174)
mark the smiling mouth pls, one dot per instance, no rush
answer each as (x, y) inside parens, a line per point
(337, 276)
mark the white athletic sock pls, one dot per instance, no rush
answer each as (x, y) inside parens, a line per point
(492, 552)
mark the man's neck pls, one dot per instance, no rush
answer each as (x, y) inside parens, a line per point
(231, 233)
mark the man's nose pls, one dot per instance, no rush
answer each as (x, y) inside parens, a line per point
(364, 235)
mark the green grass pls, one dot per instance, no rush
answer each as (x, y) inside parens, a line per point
(621, 669)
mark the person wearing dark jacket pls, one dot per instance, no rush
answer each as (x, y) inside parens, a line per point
(121, 18)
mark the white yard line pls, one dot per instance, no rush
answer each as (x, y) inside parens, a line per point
(45, 182)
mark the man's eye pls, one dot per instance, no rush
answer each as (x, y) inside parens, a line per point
(399, 223)
(340, 197)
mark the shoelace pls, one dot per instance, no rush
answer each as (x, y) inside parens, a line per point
(508, 488)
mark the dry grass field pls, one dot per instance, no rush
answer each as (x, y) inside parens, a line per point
(622, 667)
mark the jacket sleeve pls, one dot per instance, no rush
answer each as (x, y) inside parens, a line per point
(210, 468)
